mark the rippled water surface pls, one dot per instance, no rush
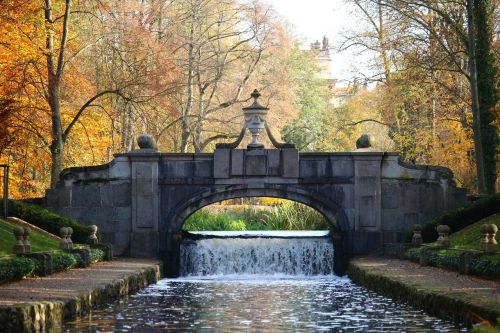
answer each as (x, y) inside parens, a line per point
(258, 304)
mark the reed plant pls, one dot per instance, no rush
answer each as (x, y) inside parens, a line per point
(287, 215)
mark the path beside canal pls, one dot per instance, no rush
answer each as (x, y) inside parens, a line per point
(39, 304)
(442, 293)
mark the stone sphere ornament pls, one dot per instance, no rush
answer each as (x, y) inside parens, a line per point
(146, 141)
(365, 141)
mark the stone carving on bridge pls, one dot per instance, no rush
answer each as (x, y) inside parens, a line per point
(255, 122)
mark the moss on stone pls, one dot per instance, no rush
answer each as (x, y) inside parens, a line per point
(43, 316)
(459, 307)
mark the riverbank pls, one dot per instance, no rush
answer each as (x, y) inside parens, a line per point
(441, 293)
(40, 304)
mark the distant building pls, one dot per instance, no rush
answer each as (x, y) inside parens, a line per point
(339, 96)
(322, 53)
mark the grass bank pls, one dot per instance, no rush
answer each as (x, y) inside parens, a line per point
(463, 255)
(39, 241)
(283, 216)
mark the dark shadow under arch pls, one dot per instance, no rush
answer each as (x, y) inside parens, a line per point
(330, 210)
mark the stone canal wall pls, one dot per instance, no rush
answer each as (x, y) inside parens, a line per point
(441, 293)
(41, 305)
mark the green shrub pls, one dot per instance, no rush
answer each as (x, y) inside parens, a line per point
(47, 220)
(486, 265)
(447, 259)
(462, 217)
(413, 254)
(96, 255)
(62, 261)
(15, 268)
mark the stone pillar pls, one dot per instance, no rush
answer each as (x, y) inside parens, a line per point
(367, 202)
(144, 240)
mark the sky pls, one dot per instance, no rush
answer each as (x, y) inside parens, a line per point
(313, 19)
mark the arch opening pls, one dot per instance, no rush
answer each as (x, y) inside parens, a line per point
(334, 215)
(257, 214)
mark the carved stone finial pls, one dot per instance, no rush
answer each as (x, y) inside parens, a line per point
(365, 141)
(255, 120)
(92, 240)
(68, 238)
(417, 235)
(255, 94)
(146, 141)
(64, 244)
(18, 247)
(492, 245)
(443, 231)
(485, 237)
(26, 240)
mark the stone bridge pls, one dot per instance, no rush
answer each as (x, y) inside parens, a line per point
(141, 199)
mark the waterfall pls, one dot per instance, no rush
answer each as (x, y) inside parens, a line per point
(263, 253)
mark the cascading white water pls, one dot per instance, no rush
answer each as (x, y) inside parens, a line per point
(264, 253)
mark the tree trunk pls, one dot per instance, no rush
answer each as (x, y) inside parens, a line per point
(189, 104)
(382, 43)
(486, 74)
(476, 116)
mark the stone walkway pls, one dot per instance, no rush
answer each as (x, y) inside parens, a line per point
(430, 287)
(69, 284)
(41, 304)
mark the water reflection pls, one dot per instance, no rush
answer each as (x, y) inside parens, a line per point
(251, 304)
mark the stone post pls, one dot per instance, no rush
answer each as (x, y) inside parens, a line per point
(367, 202)
(92, 240)
(145, 238)
(443, 232)
(26, 240)
(18, 247)
(417, 235)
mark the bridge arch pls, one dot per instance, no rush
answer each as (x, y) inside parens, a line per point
(333, 212)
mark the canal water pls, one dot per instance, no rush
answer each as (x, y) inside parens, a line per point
(258, 282)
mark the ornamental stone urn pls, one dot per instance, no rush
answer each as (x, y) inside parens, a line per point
(255, 120)
(443, 232)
